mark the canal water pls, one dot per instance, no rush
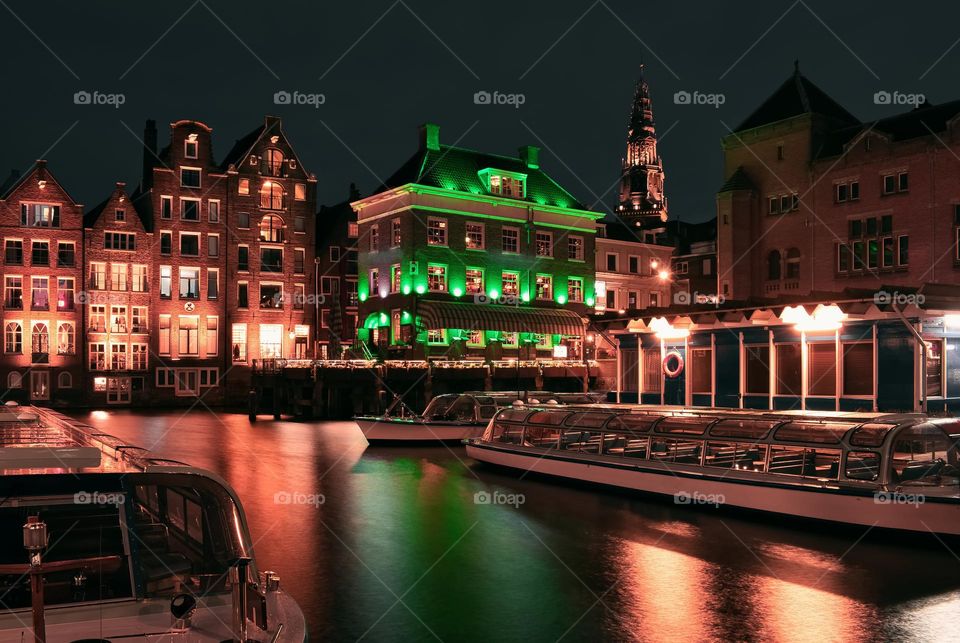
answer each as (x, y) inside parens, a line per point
(420, 544)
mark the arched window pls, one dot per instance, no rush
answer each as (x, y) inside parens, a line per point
(14, 380)
(64, 380)
(66, 339)
(271, 229)
(271, 196)
(793, 263)
(773, 265)
(41, 339)
(13, 338)
(273, 162)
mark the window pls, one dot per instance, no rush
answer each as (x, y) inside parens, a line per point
(788, 369)
(821, 371)
(510, 285)
(847, 191)
(652, 373)
(166, 207)
(212, 338)
(544, 244)
(374, 238)
(238, 341)
(40, 342)
(474, 281)
(98, 318)
(190, 146)
(166, 243)
(39, 293)
(773, 265)
(507, 186)
(903, 250)
(353, 230)
(633, 265)
(118, 319)
(271, 341)
(706, 267)
(189, 283)
(119, 241)
(138, 319)
(243, 258)
(300, 191)
(65, 380)
(271, 229)
(165, 281)
(395, 275)
(395, 235)
(858, 369)
(118, 276)
(139, 357)
(213, 283)
(436, 231)
(13, 338)
(65, 293)
(164, 338)
(13, 293)
(374, 281)
(243, 186)
(271, 196)
(613, 260)
(474, 239)
(575, 248)
(139, 281)
(436, 277)
(190, 244)
(544, 287)
(887, 252)
(190, 177)
(575, 289)
(40, 253)
(273, 162)
(299, 259)
(682, 267)
(437, 336)
(213, 245)
(118, 357)
(271, 259)
(793, 263)
(271, 296)
(188, 335)
(242, 295)
(334, 254)
(13, 252)
(330, 285)
(66, 254)
(98, 356)
(39, 215)
(299, 296)
(934, 367)
(510, 238)
(243, 220)
(701, 360)
(757, 370)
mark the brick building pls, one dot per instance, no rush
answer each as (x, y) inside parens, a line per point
(337, 297)
(816, 200)
(42, 231)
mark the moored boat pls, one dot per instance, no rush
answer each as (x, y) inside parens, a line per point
(104, 541)
(898, 472)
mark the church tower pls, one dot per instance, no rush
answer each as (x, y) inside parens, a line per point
(642, 201)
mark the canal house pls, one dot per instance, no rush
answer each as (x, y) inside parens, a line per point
(886, 350)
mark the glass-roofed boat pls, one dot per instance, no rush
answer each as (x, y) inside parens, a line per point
(455, 416)
(898, 472)
(102, 541)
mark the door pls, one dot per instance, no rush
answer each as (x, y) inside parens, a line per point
(118, 390)
(188, 382)
(39, 385)
(674, 388)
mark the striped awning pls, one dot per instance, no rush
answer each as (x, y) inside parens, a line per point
(472, 316)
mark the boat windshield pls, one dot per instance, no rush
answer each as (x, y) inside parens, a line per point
(438, 406)
(926, 455)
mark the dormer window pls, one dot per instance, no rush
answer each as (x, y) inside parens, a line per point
(502, 183)
(273, 162)
(190, 147)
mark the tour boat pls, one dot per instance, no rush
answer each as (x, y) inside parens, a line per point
(102, 541)
(453, 417)
(897, 472)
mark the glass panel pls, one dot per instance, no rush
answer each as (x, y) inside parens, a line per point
(819, 433)
(541, 436)
(681, 451)
(687, 425)
(732, 455)
(513, 415)
(588, 420)
(758, 369)
(798, 461)
(924, 454)
(870, 434)
(862, 465)
(548, 417)
(749, 429)
(625, 445)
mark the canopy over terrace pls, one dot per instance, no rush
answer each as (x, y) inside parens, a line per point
(510, 319)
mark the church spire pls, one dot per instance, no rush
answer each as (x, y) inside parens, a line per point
(641, 180)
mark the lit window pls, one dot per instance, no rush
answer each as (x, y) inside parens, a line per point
(575, 248)
(271, 229)
(189, 283)
(13, 338)
(474, 238)
(238, 340)
(39, 215)
(510, 284)
(544, 287)
(436, 231)
(271, 296)
(544, 244)
(188, 335)
(65, 293)
(66, 338)
(395, 275)
(243, 186)
(474, 284)
(395, 236)
(271, 196)
(271, 341)
(507, 186)
(118, 277)
(575, 289)
(300, 191)
(273, 162)
(436, 277)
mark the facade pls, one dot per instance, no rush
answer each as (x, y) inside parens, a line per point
(693, 266)
(630, 274)
(337, 296)
(465, 254)
(42, 230)
(816, 200)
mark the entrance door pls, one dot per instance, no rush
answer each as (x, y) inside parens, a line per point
(188, 382)
(39, 385)
(118, 390)
(674, 388)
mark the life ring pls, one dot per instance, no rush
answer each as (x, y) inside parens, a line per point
(672, 372)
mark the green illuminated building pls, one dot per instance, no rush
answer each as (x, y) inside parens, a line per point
(469, 254)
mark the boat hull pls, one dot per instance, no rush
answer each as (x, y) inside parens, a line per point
(906, 511)
(386, 430)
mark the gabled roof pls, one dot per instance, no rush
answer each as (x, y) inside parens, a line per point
(40, 166)
(91, 216)
(456, 168)
(795, 97)
(738, 181)
(12, 179)
(241, 148)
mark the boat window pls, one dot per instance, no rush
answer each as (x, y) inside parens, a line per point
(541, 436)
(676, 450)
(587, 419)
(86, 530)
(800, 461)
(871, 434)
(581, 441)
(625, 445)
(514, 414)
(463, 410)
(487, 412)
(735, 455)
(746, 429)
(924, 454)
(816, 432)
(485, 400)
(862, 465)
(632, 423)
(438, 406)
(695, 425)
(552, 418)
(506, 433)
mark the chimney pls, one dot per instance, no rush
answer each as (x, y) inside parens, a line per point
(272, 124)
(530, 155)
(149, 152)
(354, 192)
(430, 137)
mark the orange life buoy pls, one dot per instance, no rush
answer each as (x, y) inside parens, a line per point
(672, 372)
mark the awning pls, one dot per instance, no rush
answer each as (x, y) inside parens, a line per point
(471, 316)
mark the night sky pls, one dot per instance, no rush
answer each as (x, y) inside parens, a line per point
(385, 67)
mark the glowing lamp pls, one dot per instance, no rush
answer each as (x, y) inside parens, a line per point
(525, 296)
(590, 301)
(664, 275)
(406, 289)
(494, 293)
(383, 293)
(825, 318)
(952, 320)
(654, 263)
(561, 299)
(363, 296)
(421, 289)
(457, 292)
(665, 330)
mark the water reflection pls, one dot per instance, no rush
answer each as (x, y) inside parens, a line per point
(570, 562)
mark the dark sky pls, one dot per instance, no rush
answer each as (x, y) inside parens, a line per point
(385, 70)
